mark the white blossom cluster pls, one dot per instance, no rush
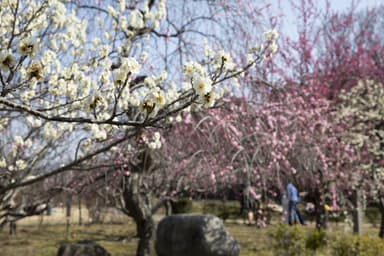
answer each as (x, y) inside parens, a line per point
(362, 108)
(154, 142)
(60, 61)
(201, 83)
(47, 63)
(267, 49)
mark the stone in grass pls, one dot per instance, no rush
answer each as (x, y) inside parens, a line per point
(194, 235)
(82, 248)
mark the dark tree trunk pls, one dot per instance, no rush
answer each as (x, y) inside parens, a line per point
(320, 213)
(12, 228)
(321, 216)
(68, 206)
(80, 211)
(381, 207)
(357, 212)
(137, 198)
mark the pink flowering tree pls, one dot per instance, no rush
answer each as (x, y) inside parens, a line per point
(205, 148)
(289, 135)
(332, 52)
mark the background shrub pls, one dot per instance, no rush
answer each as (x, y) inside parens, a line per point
(223, 210)
(288, 241)
(316, 240)
(182, 205)
(352, 245)
(372, 215)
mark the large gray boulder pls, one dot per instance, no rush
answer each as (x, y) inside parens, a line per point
(82, 248)
(194, 235)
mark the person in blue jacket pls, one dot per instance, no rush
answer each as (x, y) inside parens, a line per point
(293, 199)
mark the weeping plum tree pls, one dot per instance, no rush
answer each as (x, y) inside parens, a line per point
(288, 135)
(80, 79)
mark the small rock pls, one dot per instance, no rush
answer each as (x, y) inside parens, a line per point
(194, 235)
(82, 248)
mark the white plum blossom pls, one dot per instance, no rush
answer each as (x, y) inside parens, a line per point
(156, 24)
(28, 143)
(58, 13)
(104, 50)
(122, 4)
(98, 132)
(71, 90)
(161, 10)
(178, 119)
(271, 35)
(162, 77)
(154, 101)
(49, 131)
(35, 71)
(223, 59)
(173, 93)
(97, 101)
(33, 121)
(27, 47)
(266, 49)
(136, 19)
(186, 86)
(158, 97)
(7, 60)
(112, 11)
(119, 77)
(21, 164)
(192, 69)
(143, 57)
(149, 82)
(3, 162)
(270, 38)
(19, 141)
(155, 142)
(130, 65)
(208, 51)
(208, 99)
(202, 85)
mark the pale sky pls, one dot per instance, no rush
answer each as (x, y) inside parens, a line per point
(337, 5)
(341, 4)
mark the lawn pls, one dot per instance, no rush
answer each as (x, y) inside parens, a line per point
(119, 239)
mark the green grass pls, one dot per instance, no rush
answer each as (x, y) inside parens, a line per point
(45, 240)
(119, 239)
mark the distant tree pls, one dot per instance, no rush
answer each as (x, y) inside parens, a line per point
(361, 112)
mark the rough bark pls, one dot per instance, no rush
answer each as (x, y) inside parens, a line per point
(138, 203)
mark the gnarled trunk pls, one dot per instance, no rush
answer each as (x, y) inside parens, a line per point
(137, 199)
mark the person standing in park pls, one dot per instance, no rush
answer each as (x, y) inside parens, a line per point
(293, 199)
(248, 202)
